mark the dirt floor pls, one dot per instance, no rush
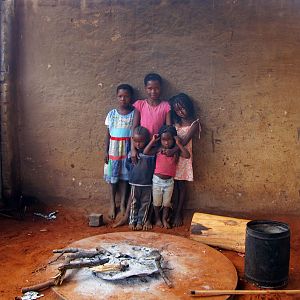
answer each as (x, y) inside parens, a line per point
(26, 245)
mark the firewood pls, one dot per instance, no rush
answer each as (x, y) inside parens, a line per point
(109, 268)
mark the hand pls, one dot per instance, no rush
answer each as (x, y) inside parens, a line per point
(197, 121)
(176, 155)
(106, 158)
(155, 138)
(133, 156)
(177, 140)
(169, 152)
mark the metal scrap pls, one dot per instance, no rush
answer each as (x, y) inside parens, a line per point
(31, 295)
(50, 216)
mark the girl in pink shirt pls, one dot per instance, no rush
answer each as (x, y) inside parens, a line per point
(152, 113)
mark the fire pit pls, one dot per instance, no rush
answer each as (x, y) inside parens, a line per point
(146, 266)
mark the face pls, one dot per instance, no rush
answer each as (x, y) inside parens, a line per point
(124, 98)
(153, 89)
(167, 140)
(180, 111)
(139, 141)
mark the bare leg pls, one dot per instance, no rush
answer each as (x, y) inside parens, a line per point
(178, 213)
(165, 217)
(124, 219)
(112, 211)
(157, 216)
(174, 200)
(123, 192)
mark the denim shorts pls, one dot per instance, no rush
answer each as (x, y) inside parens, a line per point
(162, 190)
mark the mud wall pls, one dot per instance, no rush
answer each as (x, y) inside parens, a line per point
(238, 60)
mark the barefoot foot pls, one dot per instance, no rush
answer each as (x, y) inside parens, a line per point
(166, 224)
(177, 221)
(112, 213)
(158, 223)
(147, 226)
(132, 226)
(139, 227)
(123, 221)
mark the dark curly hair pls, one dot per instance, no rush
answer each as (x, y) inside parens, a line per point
(168, 128)
(185, 101)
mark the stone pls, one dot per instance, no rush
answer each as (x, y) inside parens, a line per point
(95, 220)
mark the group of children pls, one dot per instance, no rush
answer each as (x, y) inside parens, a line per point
(148, 144)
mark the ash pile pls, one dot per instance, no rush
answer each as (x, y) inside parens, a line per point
(122, 263)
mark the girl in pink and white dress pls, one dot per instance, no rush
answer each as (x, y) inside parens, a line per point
(187, 125)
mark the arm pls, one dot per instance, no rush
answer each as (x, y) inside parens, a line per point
(183, 151)
(168, 118)
(136, 123)
(150, 149)
(136, 119)
(192, 131)
(106, 145)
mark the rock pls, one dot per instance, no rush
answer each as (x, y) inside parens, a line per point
(95, 220)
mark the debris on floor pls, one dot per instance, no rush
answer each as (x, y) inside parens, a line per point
(50, 216)
(31, 295)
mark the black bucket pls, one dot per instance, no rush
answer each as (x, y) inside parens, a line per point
(267, 253)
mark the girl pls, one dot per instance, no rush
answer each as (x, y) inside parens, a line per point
(152, 113)
(140, 179)
(117, 145)
(165, 170)
(183, 115)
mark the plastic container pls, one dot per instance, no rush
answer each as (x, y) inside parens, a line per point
(267, 253)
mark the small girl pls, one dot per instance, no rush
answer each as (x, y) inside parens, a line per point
(140, 179)
(165, 170)
(117, 146)
(183, 115)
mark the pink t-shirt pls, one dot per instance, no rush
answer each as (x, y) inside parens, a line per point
(165, 165)
(152, 117)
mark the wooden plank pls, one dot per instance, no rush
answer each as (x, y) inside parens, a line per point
(223, 232)
(208, 293)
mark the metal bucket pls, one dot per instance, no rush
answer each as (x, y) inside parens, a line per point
(267, 253)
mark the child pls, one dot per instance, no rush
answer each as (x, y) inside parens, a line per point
(187, 125)
(117, 145)
(165, 169)
(151, 113)
(140, 179)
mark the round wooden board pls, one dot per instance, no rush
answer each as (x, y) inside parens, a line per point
(191, 265)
